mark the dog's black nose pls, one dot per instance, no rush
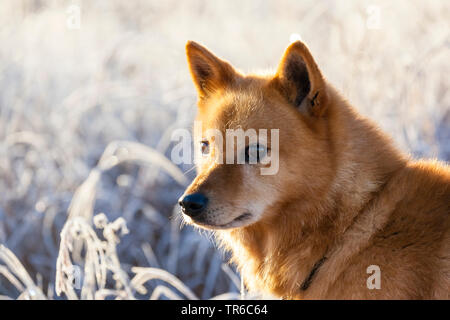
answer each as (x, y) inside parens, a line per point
(193, 204)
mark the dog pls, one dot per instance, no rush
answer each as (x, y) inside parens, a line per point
(346, 216)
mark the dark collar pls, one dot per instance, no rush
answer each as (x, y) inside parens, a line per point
(307, 282)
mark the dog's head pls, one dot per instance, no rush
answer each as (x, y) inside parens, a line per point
(242, 183)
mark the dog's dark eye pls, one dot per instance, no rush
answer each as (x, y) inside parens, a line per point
(254, 153)
(205, 147)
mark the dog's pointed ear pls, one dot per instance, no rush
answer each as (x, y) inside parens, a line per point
(208, 72)
(299, 79)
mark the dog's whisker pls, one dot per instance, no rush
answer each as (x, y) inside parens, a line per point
(189, 170)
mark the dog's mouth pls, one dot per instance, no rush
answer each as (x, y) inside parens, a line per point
(235, 223)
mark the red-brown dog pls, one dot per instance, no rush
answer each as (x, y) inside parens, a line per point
(346, 215)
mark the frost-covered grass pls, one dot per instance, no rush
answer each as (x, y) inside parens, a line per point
(86, 184)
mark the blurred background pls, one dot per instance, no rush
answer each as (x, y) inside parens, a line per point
(90, 92)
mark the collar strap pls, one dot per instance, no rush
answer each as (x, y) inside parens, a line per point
(307, 282)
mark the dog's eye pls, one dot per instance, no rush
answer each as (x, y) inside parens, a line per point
(205, 147)
(255, 152)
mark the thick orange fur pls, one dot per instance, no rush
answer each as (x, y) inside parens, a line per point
(343, 192)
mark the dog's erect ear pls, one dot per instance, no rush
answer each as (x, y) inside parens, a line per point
(299, 79)
(208, 71)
